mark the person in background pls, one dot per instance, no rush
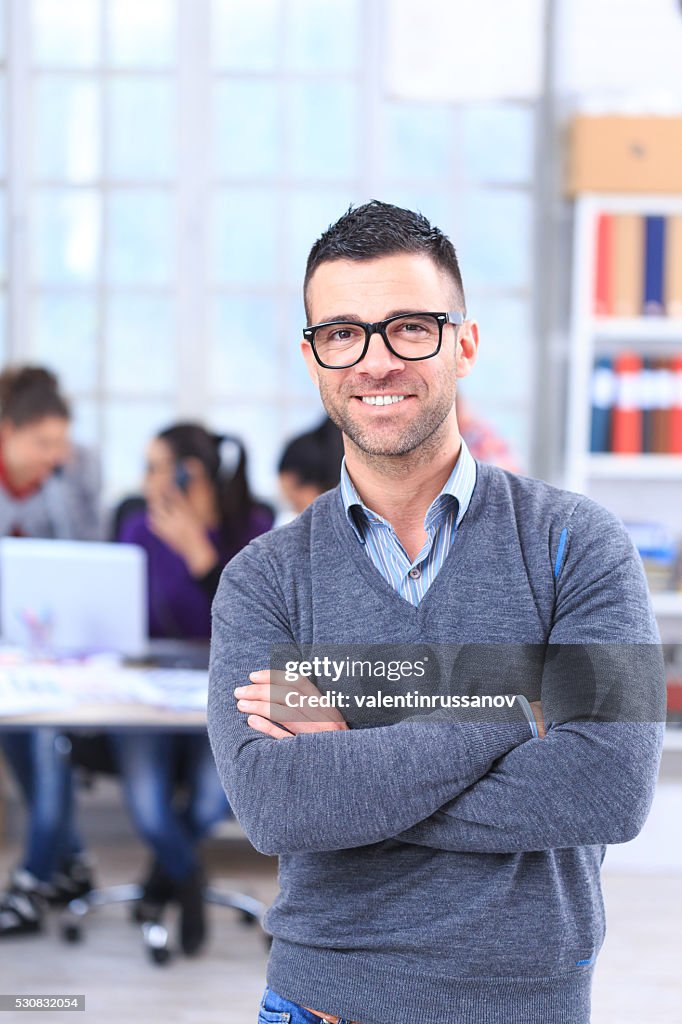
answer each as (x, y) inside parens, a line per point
(310, 465)
(482, 439)
(48, 488)
(199, 513)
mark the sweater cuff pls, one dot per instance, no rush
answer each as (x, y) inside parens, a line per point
(488, 741)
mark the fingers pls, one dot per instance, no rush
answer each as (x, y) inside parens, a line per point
(267, 698)
(272, 687)
(263, 725)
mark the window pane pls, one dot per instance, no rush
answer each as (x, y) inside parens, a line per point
(128, 426)
(246, 34)
(3, 235)
(324, 142)
(66, 236)
(323, 36)
(495, 143)
(244, 353)
(65, 32)
(66, 142)
(506, 344)
(296, 376)
(244, 241)
(302, 417)
(435, 204)
(495, 238)
(260, 428)
(309, 213)
(65, 339)
(142, 34)
(3, 127)
(419, 141)
(141, 238)
(85, 424)
(141, 355)
(246, 128)
(3, 15)
(142, 119)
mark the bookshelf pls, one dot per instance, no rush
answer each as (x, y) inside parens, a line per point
(637, 487)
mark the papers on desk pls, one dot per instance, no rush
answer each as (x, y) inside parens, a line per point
(26, 692)
(176, 689)
(34, 687)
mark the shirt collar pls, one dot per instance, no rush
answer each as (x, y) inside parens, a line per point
(458, 488)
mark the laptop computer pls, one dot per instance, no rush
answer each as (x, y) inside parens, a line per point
(66, 597)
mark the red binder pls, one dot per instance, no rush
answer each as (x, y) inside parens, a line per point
(603, 299)
(626, 429)
(675, 418)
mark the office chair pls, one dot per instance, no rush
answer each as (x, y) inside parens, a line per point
(92, 755)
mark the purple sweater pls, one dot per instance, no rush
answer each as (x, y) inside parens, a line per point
(179, 603)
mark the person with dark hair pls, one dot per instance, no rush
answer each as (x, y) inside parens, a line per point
(199, 513)
(310, 464)
(48, 488)
(431, 868)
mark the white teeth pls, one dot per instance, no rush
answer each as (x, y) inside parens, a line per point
(382, 399)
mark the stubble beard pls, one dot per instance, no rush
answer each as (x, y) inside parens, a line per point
(422, 436)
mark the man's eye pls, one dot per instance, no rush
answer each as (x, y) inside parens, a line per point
(412, 328)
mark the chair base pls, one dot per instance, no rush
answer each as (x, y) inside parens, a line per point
(154, 933)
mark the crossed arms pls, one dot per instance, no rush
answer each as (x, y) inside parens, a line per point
(478, 787)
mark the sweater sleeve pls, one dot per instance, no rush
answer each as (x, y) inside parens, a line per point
(588, 781)
(327, 790)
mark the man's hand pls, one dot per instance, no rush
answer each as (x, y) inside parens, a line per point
(265, 701)
(537, 711)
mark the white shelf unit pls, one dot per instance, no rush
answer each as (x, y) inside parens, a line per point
(635, 487)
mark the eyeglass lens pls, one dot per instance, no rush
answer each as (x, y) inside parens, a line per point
(413, 337)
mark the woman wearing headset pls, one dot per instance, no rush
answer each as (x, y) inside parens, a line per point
(199, 513)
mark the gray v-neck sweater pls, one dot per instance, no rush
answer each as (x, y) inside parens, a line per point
(439, 870)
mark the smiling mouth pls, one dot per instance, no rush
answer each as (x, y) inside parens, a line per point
(381, 399)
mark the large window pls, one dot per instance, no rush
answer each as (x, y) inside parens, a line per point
(170, 162)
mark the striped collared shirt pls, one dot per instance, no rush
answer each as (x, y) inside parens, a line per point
(413, 578)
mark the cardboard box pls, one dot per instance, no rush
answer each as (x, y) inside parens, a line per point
(624, 154)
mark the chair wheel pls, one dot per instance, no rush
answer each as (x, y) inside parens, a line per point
(246, 917)
(160, 955)
(72, 933)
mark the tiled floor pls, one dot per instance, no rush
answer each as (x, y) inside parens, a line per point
(639, 975)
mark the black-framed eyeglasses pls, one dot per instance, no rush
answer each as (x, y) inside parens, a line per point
(338, 344)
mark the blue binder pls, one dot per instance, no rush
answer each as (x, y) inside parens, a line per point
(654, 248)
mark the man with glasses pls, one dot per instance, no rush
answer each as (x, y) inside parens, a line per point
(429, 870)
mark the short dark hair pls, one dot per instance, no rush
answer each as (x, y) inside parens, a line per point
(29, 394)
(380, 229)
(315, 457)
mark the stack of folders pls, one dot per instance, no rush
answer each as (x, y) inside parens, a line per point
(637, 405)
(639, 265)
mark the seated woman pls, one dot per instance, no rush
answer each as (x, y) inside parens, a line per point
(48, 488)
(199, 513)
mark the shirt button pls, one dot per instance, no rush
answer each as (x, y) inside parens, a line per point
(415, 573)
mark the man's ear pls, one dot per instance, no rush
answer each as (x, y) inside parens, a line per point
(311, 363)
(467, 347)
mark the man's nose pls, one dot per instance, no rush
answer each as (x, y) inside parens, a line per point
(379, 360)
